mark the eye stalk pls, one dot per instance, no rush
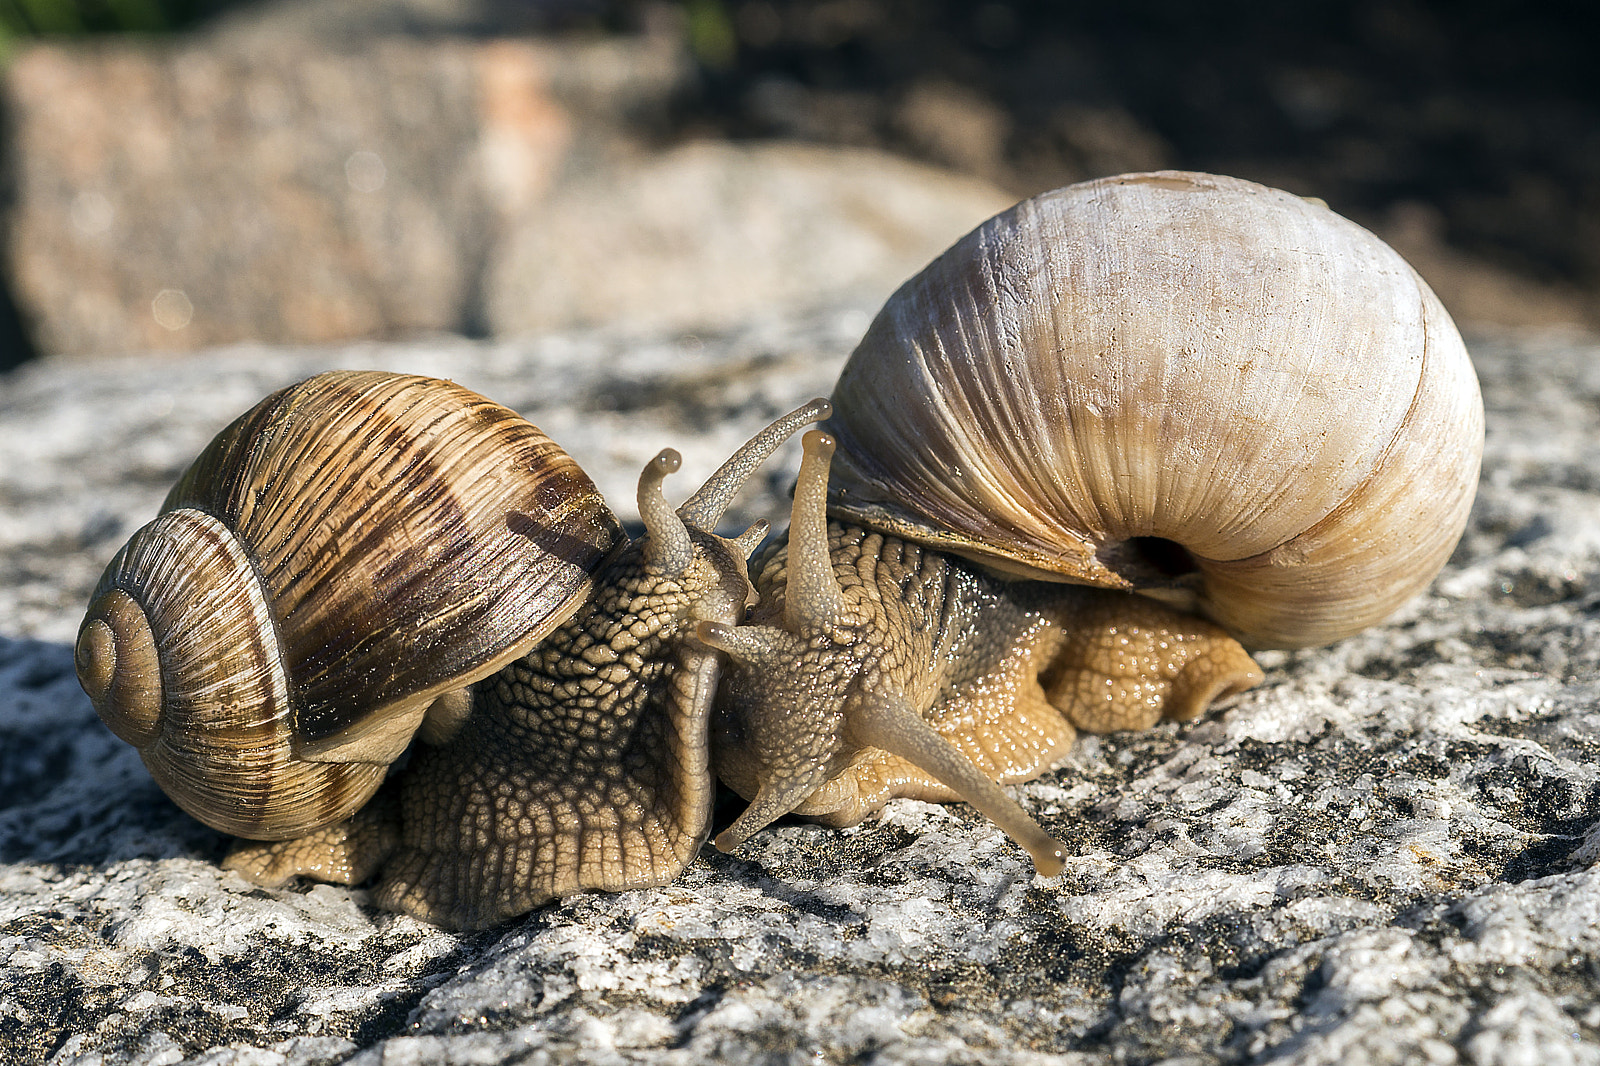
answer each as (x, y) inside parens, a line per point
(811, 697)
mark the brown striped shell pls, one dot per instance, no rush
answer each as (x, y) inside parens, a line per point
(352, 549)
(1175, 382)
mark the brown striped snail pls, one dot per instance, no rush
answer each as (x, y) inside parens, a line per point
(1193, 387)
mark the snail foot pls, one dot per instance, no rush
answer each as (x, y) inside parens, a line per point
(491, 884)
(1127, 662)
(345, 853)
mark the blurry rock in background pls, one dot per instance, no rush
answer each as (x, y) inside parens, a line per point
(316, 170)
(241, 186)
(710, 234)
(210, 193)
(264, 183)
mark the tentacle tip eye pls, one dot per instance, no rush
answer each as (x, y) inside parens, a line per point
(818, 442)
(748, 541)
(717, 635)
(667, 461)
(1050, 863)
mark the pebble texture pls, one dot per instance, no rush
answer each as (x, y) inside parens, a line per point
(1379, 855)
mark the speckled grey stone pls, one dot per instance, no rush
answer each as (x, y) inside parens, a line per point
(1380, 855)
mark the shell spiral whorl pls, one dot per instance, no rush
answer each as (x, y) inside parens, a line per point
(189, 710)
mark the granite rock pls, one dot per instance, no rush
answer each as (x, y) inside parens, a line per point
(1380, 855)
(251, 185)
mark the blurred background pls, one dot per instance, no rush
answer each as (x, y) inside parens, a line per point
(186, 173)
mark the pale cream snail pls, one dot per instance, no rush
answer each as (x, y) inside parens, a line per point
(1221, 395)
(1216, 393)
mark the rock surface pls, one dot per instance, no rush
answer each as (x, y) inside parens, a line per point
(256, 185)
(702, 236)
(1379, 855)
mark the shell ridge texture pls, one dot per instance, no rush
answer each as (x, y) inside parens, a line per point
(383, 584)
(1178, 356)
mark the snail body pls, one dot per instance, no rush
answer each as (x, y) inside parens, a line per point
(876, 668)
(1215, 394)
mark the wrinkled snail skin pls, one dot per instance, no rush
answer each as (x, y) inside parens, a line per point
(594, 786)
(876, 668)
(583, 764)
(1212, 393)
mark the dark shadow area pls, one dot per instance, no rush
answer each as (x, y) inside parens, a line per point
(74, 18)
(15, 347)
(1149, 562)
(1474, 124)
(71, 794)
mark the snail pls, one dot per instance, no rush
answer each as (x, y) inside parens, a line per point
(1109, 440)
(332, 569)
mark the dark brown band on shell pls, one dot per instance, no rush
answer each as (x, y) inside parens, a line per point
(411, 499)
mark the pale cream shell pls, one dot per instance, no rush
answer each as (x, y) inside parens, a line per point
(343, 553)
(1181, 356)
